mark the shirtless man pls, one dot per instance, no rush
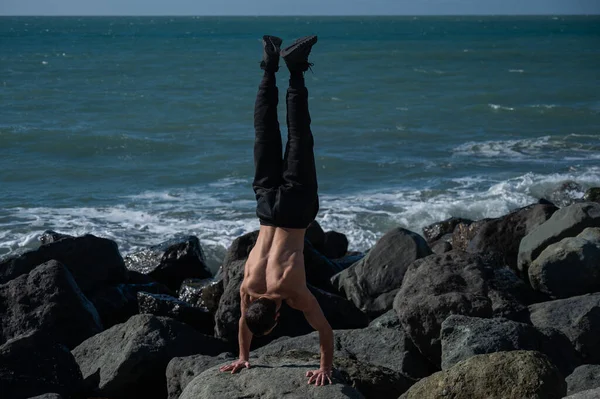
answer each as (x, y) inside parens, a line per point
(287, 201)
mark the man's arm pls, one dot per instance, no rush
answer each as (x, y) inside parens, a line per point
(244, 338)
(306, 302)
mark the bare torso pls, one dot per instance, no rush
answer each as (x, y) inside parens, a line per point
(275, 266)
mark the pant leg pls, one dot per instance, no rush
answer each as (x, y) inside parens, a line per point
(299, 202)
(267, 149)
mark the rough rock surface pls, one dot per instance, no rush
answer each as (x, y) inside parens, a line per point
(441, 246)
(566, 222)
(168, 306)
(50, 236)
(583, 378)
(94, 262)
(577, 317)
(130, 359)
(47, 301)
(453, 283)
(171, 262)
(589, 394)
(387, 320)
(569, 267)
(202, 293)
(503, 235)
(287, 370)
(464, 337)
(30, 366)
(182, 370)
(463, 233)
(592, 194)
(48, 396)
(436, 231)
(384, 347)
(515, 374)
(117, 303)
(372, 283)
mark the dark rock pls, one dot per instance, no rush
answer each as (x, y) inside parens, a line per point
(515, 374)
(463, 337)
(436, 231)
(182, 370)
(94, 262)
(583, 378)
(387, 320)
(544, 201)
(48, 396)
(204, 294)
(319, 269)
(47, 301)
(589, 394)
(569, 267)
(453, 283)
(168, 306)
(336, 245)
(385, 347)
(592, 195)
(566, 222)
(577, 317)
(441, 246)
(134, 277)
(50, 236)
(171, 262)
(286, 372)
(373, 282)
(503, 235)
(315, 235)
(117, 303)
(463, 233)
(129, 360)
(31, 365)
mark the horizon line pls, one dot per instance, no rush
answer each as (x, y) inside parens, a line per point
(304, 15)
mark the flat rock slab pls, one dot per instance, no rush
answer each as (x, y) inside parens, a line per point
(47, 301)
(270, 377)
(583, 378)
(516, 374)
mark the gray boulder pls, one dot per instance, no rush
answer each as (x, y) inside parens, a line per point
(31, 365)
(583, 378)
(514, 374)
(463, 337)
(117, 303)
(436, 231)
(171, 262)
(130, 359)
(285, 377)
(454, 283)
(566, 222)
(182, 370)
(387, 320)
(592, 194)
(372, 283)
(441, 246)
(463, 233)
(50, 236)
(48, 302)
(503, 235)
(578, 318)
(202, 293)
(384, 347)
(168, 306)
(94, 262)
(569, 267)
(589, 394)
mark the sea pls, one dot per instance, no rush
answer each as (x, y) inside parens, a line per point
(140, 129)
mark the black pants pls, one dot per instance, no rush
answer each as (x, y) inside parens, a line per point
(286, 189)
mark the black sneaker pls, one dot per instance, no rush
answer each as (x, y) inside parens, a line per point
(271, 46)
(296, 55)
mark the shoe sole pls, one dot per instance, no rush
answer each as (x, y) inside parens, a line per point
(312, 40)
(273, 39)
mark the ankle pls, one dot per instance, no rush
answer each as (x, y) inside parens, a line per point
(297, 79)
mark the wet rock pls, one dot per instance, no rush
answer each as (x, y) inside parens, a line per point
(436, 231)
(315, 235)
(117, 303)
(592, 194)
(569, 267)
(566, 193)
(336, 245)
(372, 283)
(503, 235)
(441, 246)
(493, 376)
(578, 318)
(182, 370)
(171, 262)
(94, 262)
(463, 233)
(50, 236)
(583, 378)
(202, 293)
(454, 283)
(47, 302)
(589, 394)
(129, 360)
(31, 366)
(168, 306)
(566, 222)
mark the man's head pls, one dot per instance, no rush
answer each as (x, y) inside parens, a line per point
(261, 316)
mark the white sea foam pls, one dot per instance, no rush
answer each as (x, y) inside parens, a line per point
(516, 70)
(497, 107)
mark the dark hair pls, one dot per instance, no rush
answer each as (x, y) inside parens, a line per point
(260, 316)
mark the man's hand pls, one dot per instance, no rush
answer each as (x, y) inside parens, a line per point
(319, 376)
(235, 366)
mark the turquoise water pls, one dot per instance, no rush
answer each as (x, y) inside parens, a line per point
(138, 129)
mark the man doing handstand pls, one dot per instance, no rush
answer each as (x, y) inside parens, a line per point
(287, 202)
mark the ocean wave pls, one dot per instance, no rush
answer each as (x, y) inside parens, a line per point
(497, 107)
